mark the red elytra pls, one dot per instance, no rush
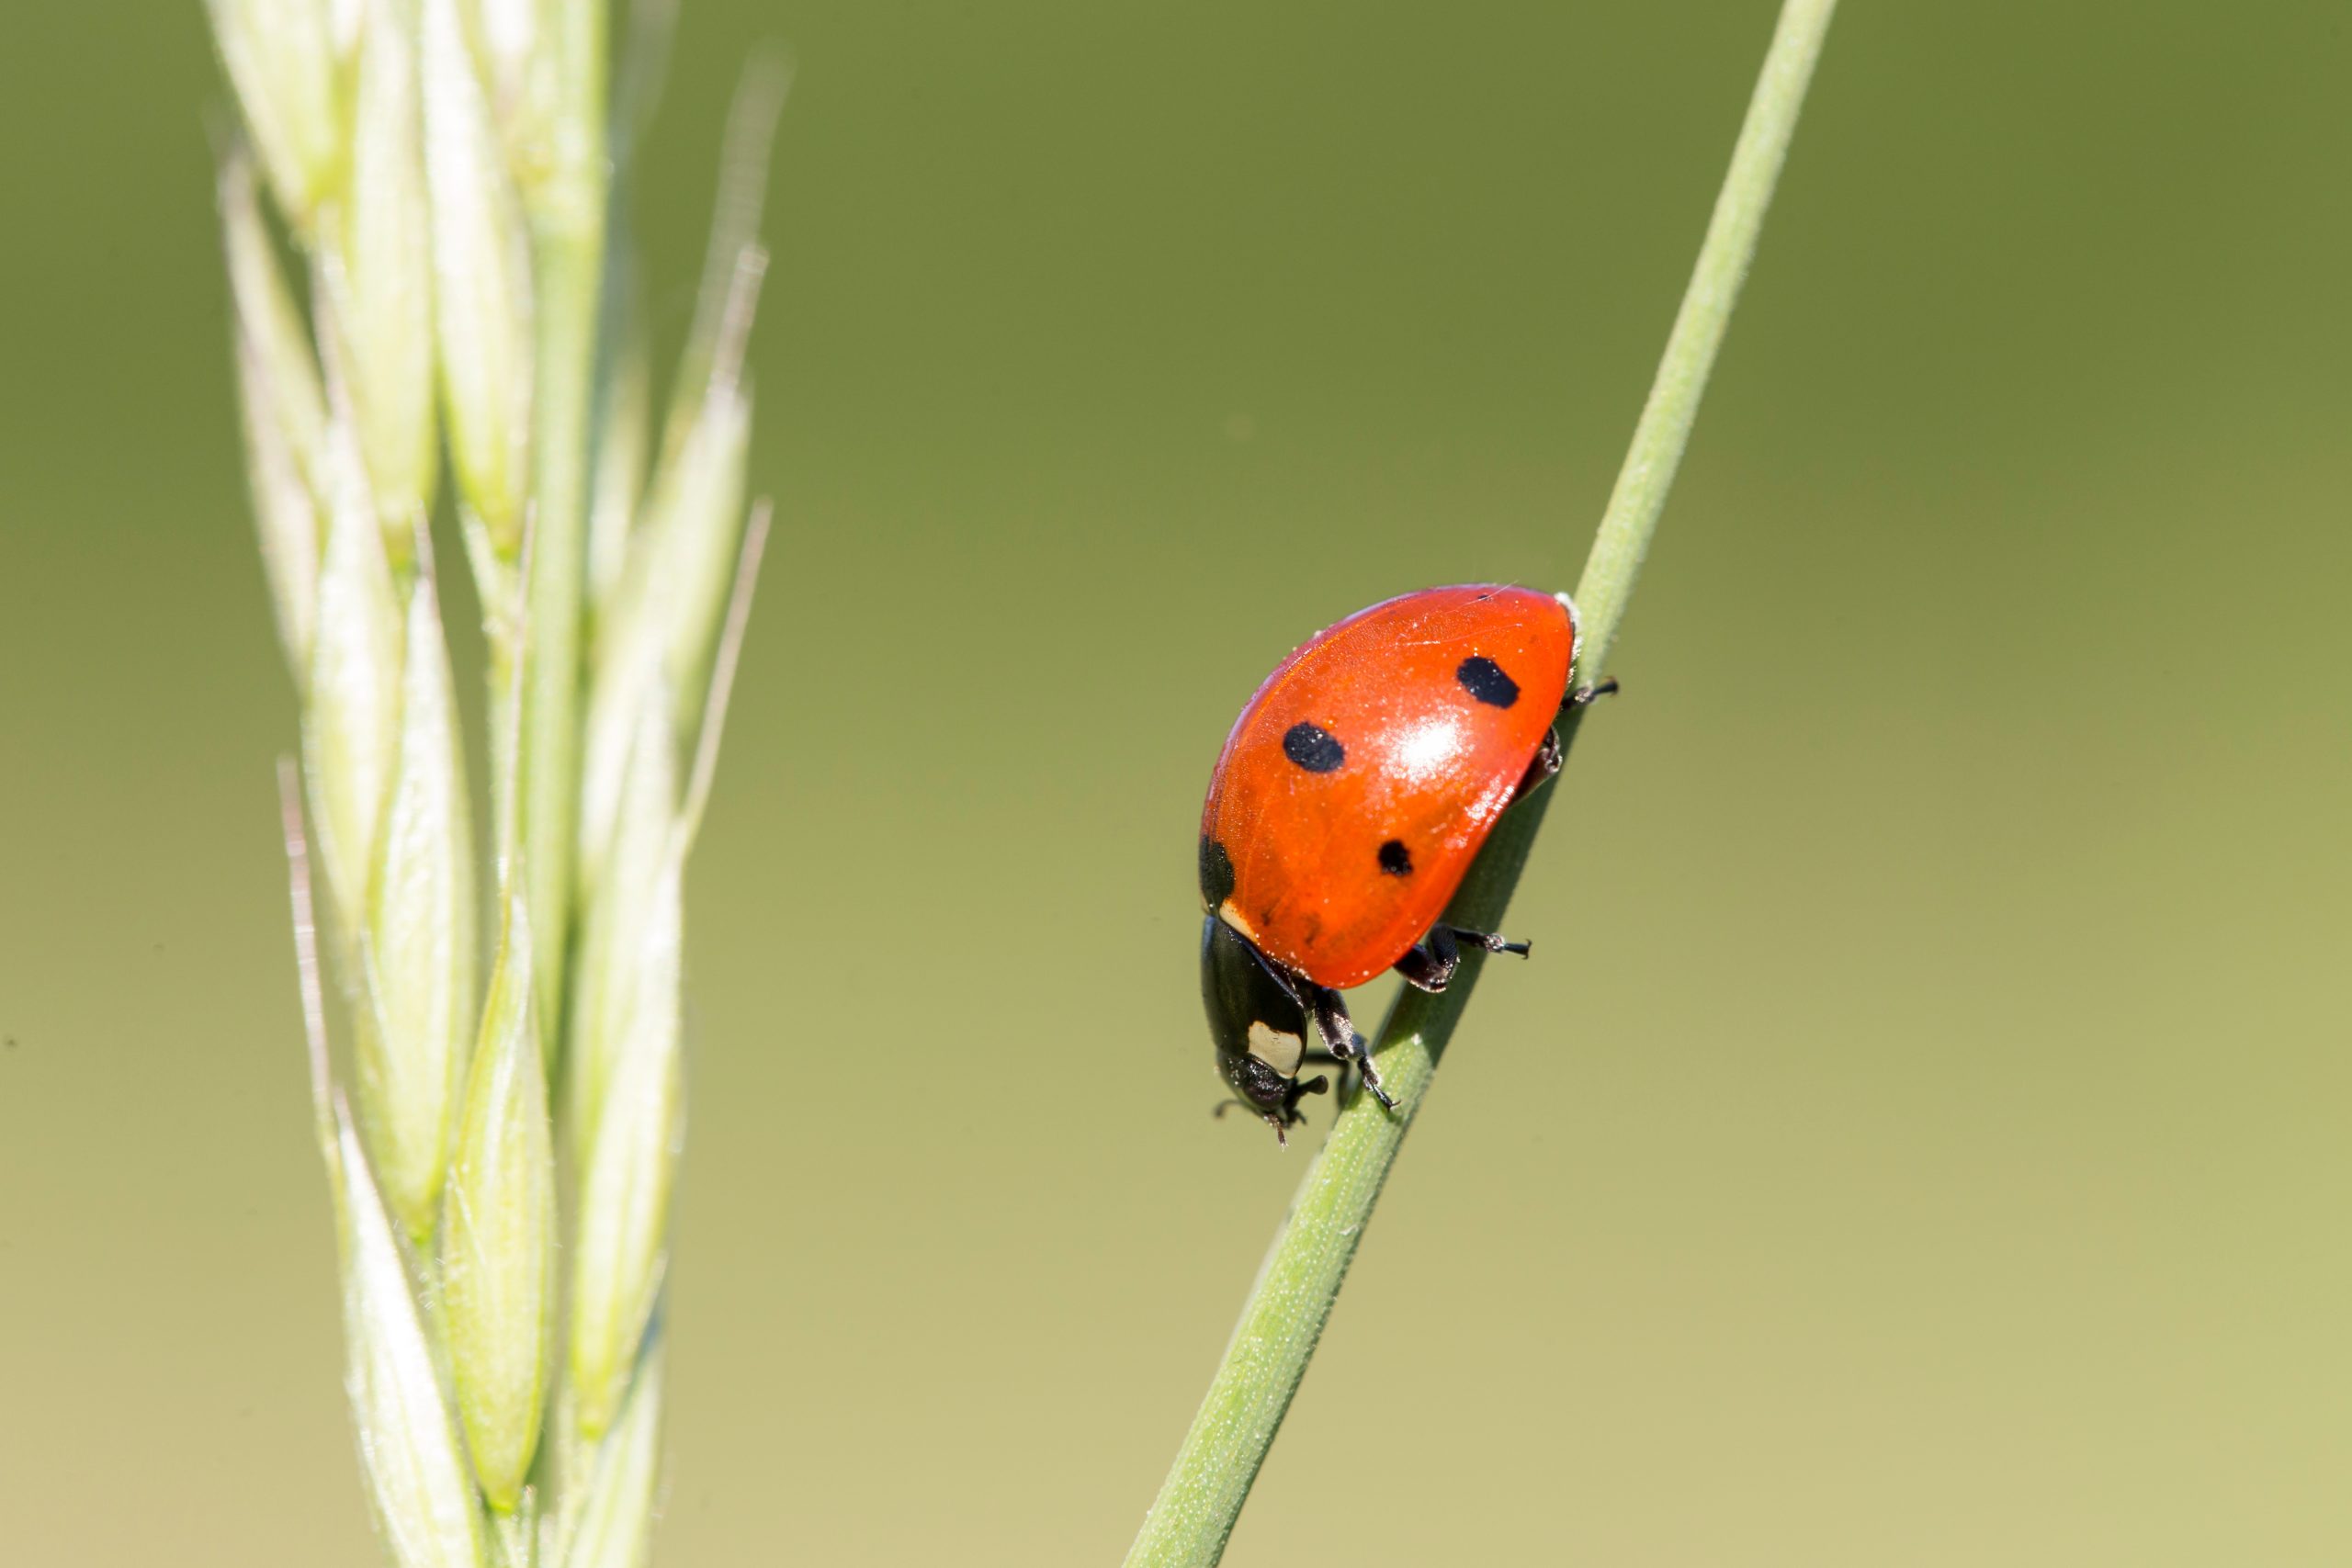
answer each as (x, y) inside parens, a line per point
(1357, 785)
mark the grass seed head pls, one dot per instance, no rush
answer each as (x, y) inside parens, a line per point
(439, 163)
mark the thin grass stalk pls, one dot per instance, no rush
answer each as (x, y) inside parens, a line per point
(566, 196)
(1201, 1497)
(570, 287)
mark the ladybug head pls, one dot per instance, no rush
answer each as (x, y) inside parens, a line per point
(1257, 1025)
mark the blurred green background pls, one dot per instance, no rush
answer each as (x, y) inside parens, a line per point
(1921, 1137)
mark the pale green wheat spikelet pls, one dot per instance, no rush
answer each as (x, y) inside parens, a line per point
(628, 1088)
(616, 1528)
(408, 1445)
(289, 60)
(419, 972)
(660, 621)
(481, 294)
(283, 409)
(628, 1083)
(613, 938)
(286, 519)
(658, 638)
(628, 1168)
(659, 564)
(351, 726)
(376, 276)
(624, 447)
(268, 318)
(511, 37)
(686, 546)
(498, 1247)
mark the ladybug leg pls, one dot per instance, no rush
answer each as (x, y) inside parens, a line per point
(1547, 757)
(1488, 941)
(1583, 696)
(1320, 1057)
(1289, 1116)
(1340, 1036)
(1429, 965)
(1341, 1043)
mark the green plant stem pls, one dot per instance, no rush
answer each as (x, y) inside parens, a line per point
(569, 301)
(568, 214)
(1195, 1513)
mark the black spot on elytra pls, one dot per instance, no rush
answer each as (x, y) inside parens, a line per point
(1395, 859)
(1484, 679)
(1216, 873)
(1312, 748)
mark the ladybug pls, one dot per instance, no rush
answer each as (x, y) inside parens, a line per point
(1348, 803)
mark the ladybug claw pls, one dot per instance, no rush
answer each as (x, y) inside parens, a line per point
(1490, 941)
(1585, 695)
(1362, 1052)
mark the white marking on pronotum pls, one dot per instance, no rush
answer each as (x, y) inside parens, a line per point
(1276, 1049)
(1232, 917)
